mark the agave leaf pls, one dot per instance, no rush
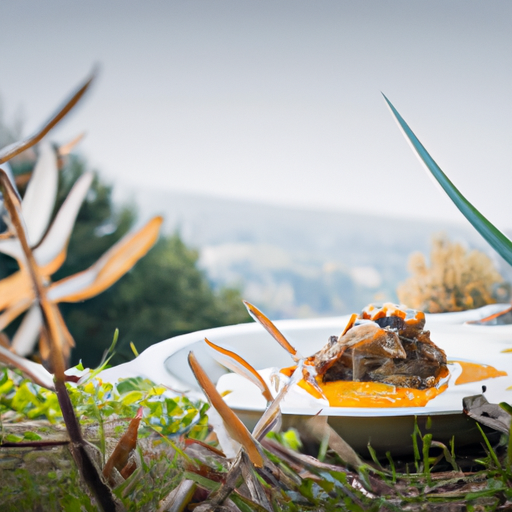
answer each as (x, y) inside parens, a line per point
(15, 288)
(35, 371)
(236, 429)
(51, 252)
(500, 242)
(39, 199)
(14, 311)
(11, 247)
(272, 330)
(18, 147)
(28, 332)
(109, 268)
(239, 365)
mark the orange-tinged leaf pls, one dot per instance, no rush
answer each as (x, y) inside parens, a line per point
(271, 329)
(15, 288)
(239, 365)
(109, 268)
(124, 447)
(236, 429)
(66, 149)
(13, 312)
(18, 147)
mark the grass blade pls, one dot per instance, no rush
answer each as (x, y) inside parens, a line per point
(500, 242)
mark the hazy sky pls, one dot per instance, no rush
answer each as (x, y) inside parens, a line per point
(277, 101)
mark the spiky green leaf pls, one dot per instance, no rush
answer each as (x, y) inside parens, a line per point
(500, 242)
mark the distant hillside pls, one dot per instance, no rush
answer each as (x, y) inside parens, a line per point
(299, 263)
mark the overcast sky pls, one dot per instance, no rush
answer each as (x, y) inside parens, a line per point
(277, 101)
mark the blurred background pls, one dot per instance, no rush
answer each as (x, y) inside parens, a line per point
(259, 131)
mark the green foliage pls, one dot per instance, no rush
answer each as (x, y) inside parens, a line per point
(98, 402)
(315, 486)
(25, 399)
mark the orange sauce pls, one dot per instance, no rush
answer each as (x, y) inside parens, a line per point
(473, 372)
(376, 394)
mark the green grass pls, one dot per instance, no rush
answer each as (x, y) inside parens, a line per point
(37, 477)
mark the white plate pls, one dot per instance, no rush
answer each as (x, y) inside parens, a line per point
(386, 428)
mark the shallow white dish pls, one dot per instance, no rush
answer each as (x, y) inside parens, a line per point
(385, 428)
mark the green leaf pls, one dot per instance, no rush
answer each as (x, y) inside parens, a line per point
(500, 242)
(506, 407)
(12, 438)
(32, 436)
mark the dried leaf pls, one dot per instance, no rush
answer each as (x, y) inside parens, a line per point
(124, 447)
(236, 429)
(14, 311)
(271, 329)
(255, 488)
(239, 365)
(15, 288)
(271, 418)
(179, 498)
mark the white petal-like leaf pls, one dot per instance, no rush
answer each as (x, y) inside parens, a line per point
(35, 371)
(39, 199)
(109, 268)
(54, 245)
(26, 336)
(12, 247)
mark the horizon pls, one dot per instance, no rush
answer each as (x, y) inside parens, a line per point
(277, 102)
